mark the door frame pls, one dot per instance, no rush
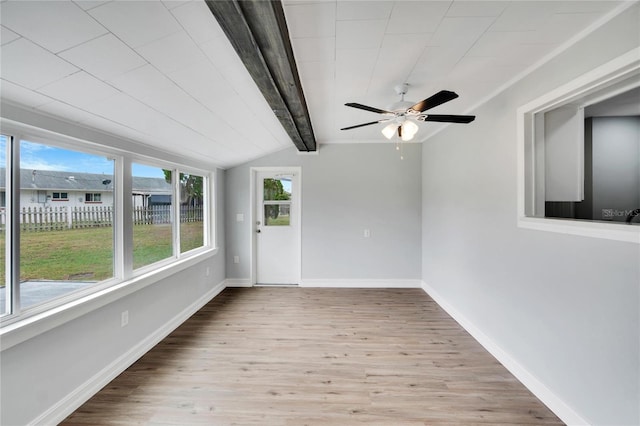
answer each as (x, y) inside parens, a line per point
(254, 214)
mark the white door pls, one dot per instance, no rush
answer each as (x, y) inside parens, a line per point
(277, 227)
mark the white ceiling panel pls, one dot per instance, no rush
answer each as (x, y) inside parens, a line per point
(524, 16)
(18, 94)
(360, 34)
(198, 21)
(142, 82)
(316, 49)
(7, 36)
(125, 110)
(136, 22)
(104, 57)
(54, 25)
(222, 56)
(460, 32)
(171, 4)
(204, 82)
(363, 10)
(314, 71)
(172, 52)
(416, 17)
(500, 43)
(79, 89)
(108, 126)
(90, 4)
(562, 26)
(61, 109)
(476, 8)
(311, 20)
(355, 64)
(31, 66)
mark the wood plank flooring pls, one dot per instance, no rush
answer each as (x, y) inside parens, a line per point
(298, 356)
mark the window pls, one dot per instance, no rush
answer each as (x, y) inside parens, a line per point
(60, 196)
(277, 201)
(152, 215)
(192, 188)
(68, 249)
(92, 198)
(579, 156)
(61, 250)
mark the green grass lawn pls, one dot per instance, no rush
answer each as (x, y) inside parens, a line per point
(282, 220)
(87, 254)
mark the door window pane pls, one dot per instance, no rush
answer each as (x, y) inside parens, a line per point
(191, 212)
(277, 189)
(276, 198)
(152, 215)
(277, 214)
(69, 246)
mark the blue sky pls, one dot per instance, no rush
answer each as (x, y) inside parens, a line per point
(36, 156)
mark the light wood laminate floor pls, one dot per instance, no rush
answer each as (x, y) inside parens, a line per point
(298, 356)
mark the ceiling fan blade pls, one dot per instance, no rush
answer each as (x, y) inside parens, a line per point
(433, 101)
(362, 125)
(368, 108)
(448, 118)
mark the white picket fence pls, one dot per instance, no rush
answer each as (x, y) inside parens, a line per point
(38, 219)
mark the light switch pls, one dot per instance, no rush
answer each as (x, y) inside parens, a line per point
(239, 217)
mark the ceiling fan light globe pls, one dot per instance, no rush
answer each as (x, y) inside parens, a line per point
(389, 130)
(409, 130)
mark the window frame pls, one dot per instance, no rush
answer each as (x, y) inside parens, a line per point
(90, 197)
(60, 196)
(623, 70)
(20, 324)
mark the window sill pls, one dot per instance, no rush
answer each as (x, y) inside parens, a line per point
(24, 329)
(610, 231)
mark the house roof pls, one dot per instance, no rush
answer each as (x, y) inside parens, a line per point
(70, 181)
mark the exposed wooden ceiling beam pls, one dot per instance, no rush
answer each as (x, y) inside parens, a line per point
(258, 32)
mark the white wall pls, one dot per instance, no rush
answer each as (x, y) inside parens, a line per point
(565, 308)
(345, 189)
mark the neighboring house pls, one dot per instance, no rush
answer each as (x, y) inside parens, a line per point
(49, 188)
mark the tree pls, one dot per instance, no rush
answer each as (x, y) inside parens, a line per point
(191, 187)
(274, 191)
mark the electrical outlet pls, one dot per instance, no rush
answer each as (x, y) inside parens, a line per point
(124, 318)
(236, 259)
(367, 233)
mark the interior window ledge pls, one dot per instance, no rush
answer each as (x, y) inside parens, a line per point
(610, 231)
(24, 329)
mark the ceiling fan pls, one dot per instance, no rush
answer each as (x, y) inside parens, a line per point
(403, 115)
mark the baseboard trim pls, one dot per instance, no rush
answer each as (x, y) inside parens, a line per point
(361, 283)
(67, 405)
(543, 393)
(238, 282)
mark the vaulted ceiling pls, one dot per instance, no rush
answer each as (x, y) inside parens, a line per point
(164, 73)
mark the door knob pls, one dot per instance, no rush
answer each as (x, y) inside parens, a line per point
(257, 231)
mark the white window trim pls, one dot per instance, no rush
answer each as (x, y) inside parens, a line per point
(619, 69)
